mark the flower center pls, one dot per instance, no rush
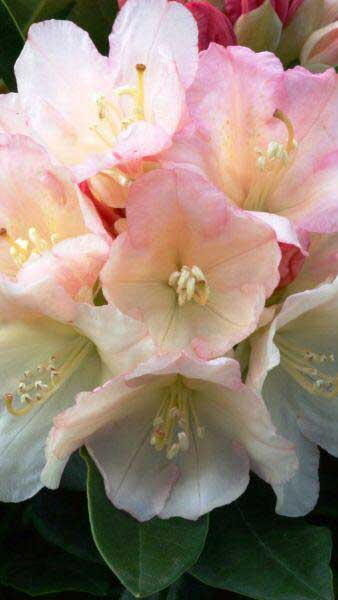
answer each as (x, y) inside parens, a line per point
(303, 366)
(21, 249)
(173, 424)
(271, 163)
(111, 116)
(36, 386)
(190, 284)
(277, 154)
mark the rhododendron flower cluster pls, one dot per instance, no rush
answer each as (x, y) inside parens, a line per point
(168, 264)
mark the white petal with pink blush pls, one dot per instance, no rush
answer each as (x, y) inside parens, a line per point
(175, 437)
(44, 365)
(260, 139)
(293, 363)
(194, 268)
(93, 112)
(49, 232)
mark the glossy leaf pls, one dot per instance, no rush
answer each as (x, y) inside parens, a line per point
(12, 40)
(27, 12)
(252, 551)
(31, 565)
(62, 519)
(74, 477)
(146, 557)
(97, 18)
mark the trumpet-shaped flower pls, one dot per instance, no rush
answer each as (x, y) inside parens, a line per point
(50, 234)
(175, 437)
(266, 137)
(293, 362)
(49, 262)
(194, 268)
(94, 112)
(44, 365)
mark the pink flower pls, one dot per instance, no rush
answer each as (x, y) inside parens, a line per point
(52, 248)
(175, 437)
(193, 267)
(130, 102)
(265, 137)
(52, 242)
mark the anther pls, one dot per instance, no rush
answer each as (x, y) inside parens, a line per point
(26, 399)
(54, 238)
(183, 440)
(201, 432)
(189, 284)
(173, 451)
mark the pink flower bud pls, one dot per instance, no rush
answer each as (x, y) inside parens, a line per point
(321, 49)
(213, 25)
(284, 8)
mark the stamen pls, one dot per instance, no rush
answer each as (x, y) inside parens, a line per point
(190, 284)
(140, 69)
(296, 360)
(22, 249)
(41, 383)
(276, 153)
(175, 421)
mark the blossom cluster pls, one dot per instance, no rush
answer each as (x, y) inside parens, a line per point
(169, 266)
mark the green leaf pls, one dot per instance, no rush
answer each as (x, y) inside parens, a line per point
(27, 12)
(146, 557)
(31, 565)
(97, 18)
(259, 29)
(74, 477)
(183, 588)
(62, 519)
(12, 41)
(252, 551)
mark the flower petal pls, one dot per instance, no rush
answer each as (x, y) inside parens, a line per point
(298, 496)
(54, 53)
(176, 218)
(24, 345)
(12, 119)
(121, 341)
(143, 31)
